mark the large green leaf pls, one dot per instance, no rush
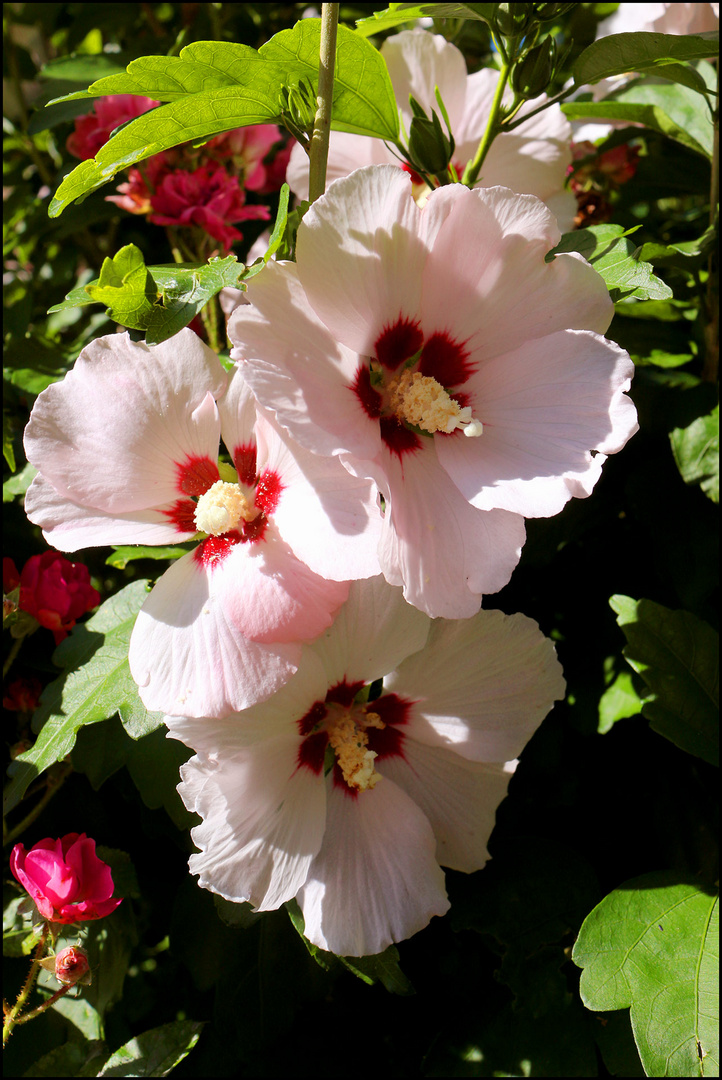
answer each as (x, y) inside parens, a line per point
(652, 946)
(616, 258)
(696, 451)
(97, 684)
(677, 655)
(214, 87)
(675, 111)
(156, 1052)
(395, 14)
(618, 53)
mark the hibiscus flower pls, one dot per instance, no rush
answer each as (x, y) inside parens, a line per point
(437, 352)
(351, 804)
(126, 449)
(532, 159)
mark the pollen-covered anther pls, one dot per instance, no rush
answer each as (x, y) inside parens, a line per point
(355, 760)
(422, 401)
(221, 509)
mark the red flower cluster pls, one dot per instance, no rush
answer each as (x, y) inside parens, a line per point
(65, 878)
(202, 186)
(53, 590)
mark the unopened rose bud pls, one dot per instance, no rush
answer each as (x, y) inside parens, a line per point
(72, 966)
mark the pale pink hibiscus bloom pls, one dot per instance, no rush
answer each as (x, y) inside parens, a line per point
(352, 806)
(401, 330)
(532, 159)
(127, 452)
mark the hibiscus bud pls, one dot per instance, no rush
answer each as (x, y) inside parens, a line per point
(65, 878)
(510, 20)
(429, 148)
(547, 12)
(72, 966)
(56, 592)
(534, 70)
(298, 106)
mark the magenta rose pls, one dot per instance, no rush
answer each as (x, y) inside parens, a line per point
(56, 592)
(208, 198)
(92, 130)
(65, 878)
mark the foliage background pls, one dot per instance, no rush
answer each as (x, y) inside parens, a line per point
(599, 797)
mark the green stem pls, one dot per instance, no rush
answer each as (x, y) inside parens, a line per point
(540, 108)
(11, 1018)
(324, 102)
(45, 1005)
(52, 786)
(472, 170)
(711, 331)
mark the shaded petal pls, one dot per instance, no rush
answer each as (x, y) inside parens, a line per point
(544, 408)
(459, 798)
(113, 433)
(346, 152)
(481, 687)
(188, 654)
(419, 61)
(68, 526)
(329, 518)
(296, 368)
(263, 821)
(444, 551)
(373, 632)
(238, 412)
(376, 879)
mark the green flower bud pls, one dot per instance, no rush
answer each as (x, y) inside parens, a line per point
(429, 148)
(511, 20)
(547, 12)
(534, 70)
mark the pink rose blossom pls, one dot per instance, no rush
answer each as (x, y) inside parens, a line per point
(127, 448)
(245, 149)
(352, 806)
(532, 159)
(208, 198)
(402, 330)
(65, 878)
(134, 195)
(56, 592)
(72, 966)
(92, 130)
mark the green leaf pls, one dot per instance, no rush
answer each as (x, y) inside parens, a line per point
(674, 111)
(652, 946)
(364, 102)
(159, 300)
(8, 448)
(97, 684)
(382, 967)
(19, 484)
(688, 255)
(615, 257)
(123, 555)
(155, 1052)
(696, 451)
(618, 702)
(71, 1059)
(19, 938)
(126, 288)
(395, 14)
(677, 656)
(617, 54)
(660, 358)
(215, 86)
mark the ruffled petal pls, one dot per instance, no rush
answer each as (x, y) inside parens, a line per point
(68, 526)
(263, 821)
(296, 368)
(188, 654)
(376, 879)
(444, 551)
(115, 432)
(459, 798)
(329, 518)
(544, 407)
(480, 687)
(373, 632)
